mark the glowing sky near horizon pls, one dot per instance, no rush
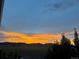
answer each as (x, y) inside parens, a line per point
(40, 16)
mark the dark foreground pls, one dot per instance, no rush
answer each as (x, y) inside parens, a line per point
(37, 51)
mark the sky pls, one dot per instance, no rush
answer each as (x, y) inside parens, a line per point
(40, 16)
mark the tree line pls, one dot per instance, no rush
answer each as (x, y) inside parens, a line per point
(65, 50)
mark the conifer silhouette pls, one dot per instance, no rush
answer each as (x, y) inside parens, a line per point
(64, 40)
(76, 40)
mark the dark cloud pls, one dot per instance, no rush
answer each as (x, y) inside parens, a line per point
(64, 4)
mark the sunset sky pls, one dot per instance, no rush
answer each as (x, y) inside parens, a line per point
(40, 16)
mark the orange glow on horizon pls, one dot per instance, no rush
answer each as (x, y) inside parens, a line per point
(35, 38)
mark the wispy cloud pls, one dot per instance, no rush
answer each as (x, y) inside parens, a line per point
(62, 5)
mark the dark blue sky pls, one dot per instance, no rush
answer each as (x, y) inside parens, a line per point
(41, 16)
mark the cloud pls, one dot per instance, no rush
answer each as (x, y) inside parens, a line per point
(64, 4)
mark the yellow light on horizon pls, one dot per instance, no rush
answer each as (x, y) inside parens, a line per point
(37, 38)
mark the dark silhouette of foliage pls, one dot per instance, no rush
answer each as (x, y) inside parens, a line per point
(76, 40)
(59, 51)
(65, 50)
(65, 41)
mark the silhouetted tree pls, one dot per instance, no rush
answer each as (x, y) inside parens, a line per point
(66, 47)
(76, 40)
(60, 51)
(65, 41)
